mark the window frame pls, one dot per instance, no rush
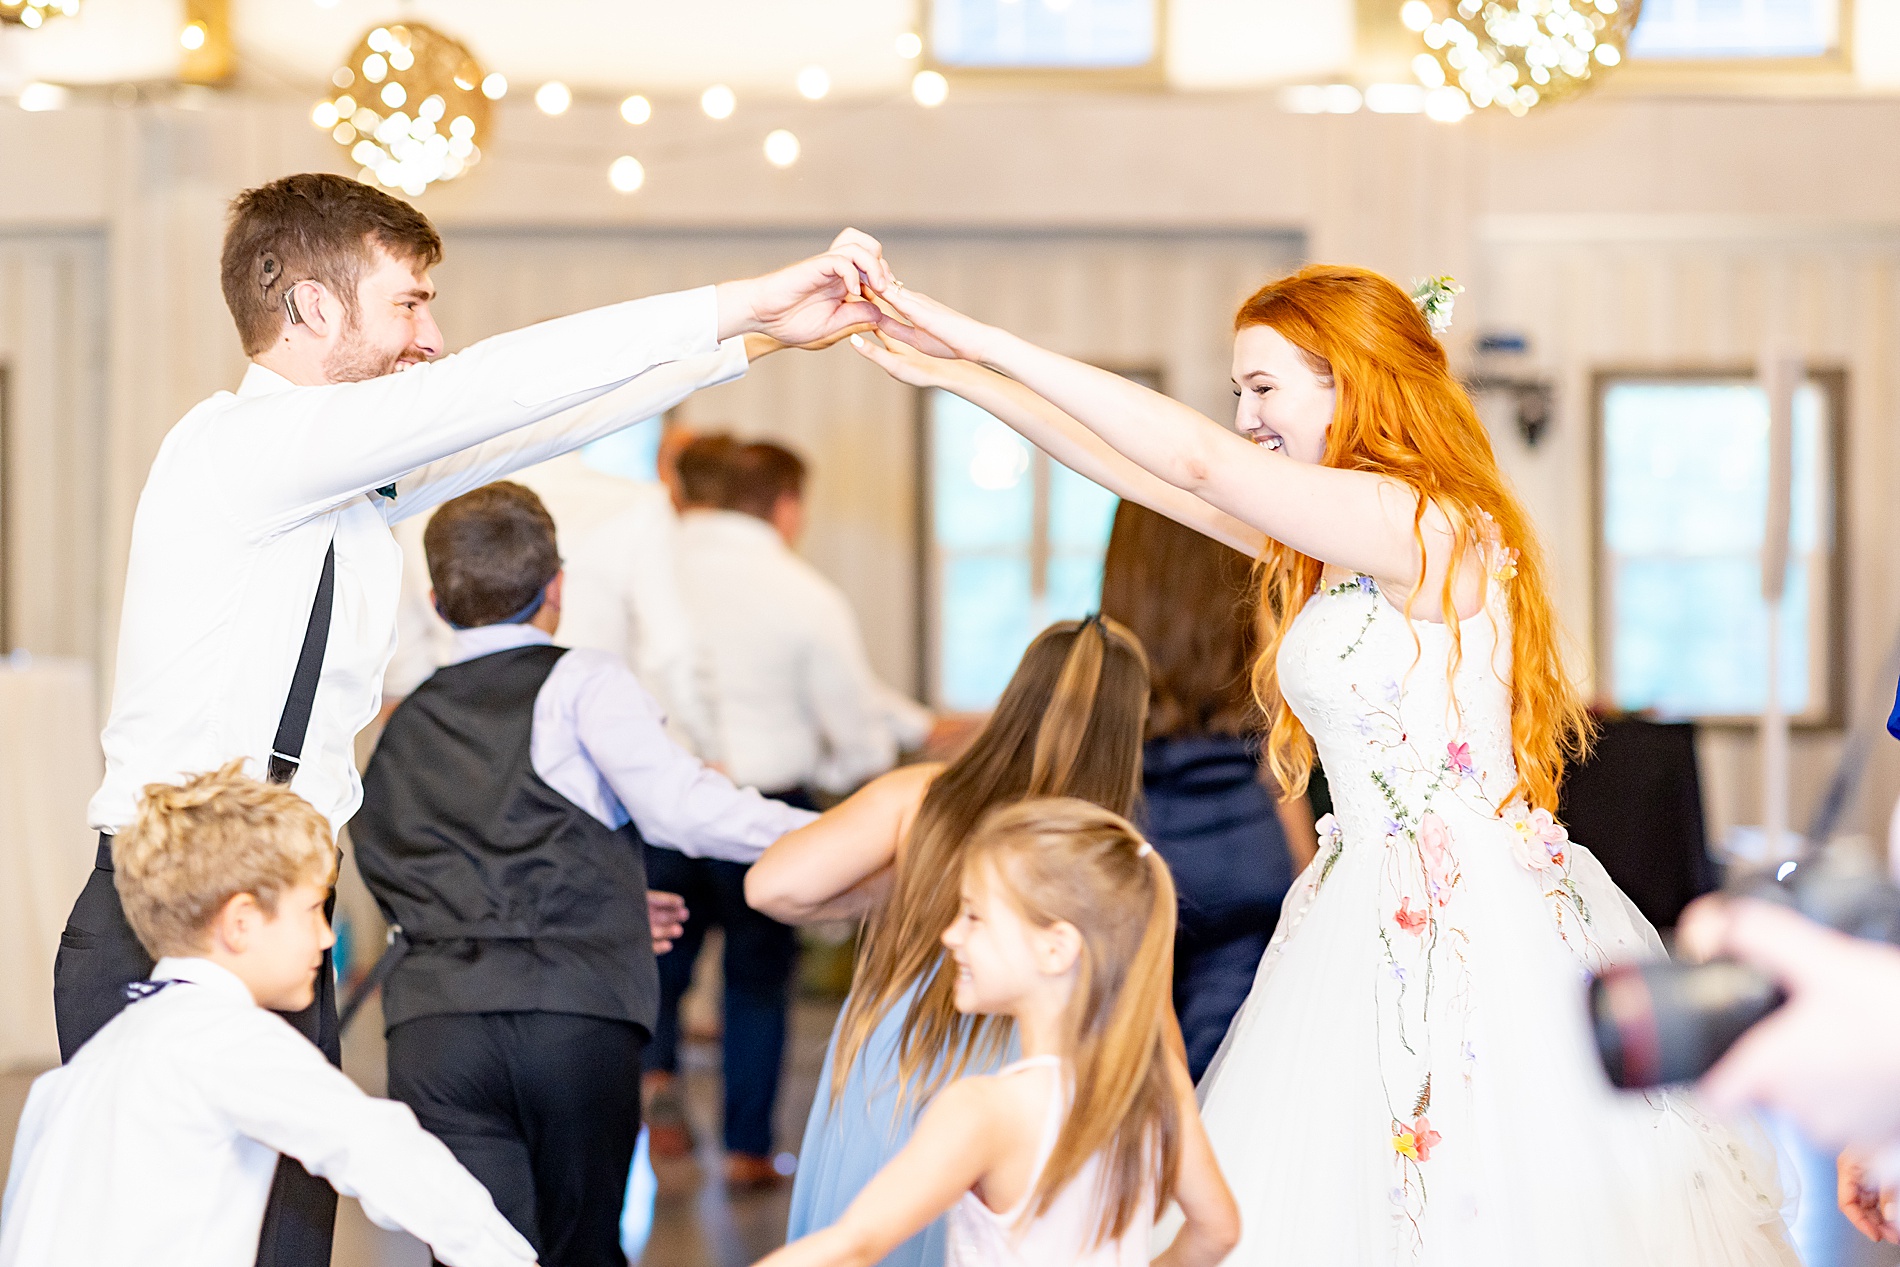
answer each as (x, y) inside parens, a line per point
(1696, 74)
(929, 604)
(1152, 74)
(1832, 381)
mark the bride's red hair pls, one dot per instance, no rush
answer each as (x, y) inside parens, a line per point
(1401, 413)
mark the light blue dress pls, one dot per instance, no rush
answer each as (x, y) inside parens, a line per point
(846, 1145)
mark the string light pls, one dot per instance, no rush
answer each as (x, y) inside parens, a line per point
(37, 96)
(31, 14)
(192, 38)
(813, 83)
(910, 46)
(781, 148)
(929, 88)
(1514, 54)
(411, 105)
(636, 109)
(625, 174)
(553, 97)
(718, 102)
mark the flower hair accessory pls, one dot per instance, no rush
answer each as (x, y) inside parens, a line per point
(1434, 298)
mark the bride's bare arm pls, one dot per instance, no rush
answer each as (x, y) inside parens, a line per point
(1061, 437)
(838, 865)
(1351, 519)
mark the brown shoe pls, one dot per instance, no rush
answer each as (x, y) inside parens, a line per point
(669, 1140)
(747, 1172)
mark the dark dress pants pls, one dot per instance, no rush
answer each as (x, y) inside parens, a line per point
(759, 957)
(542, 1107)
(98, 957)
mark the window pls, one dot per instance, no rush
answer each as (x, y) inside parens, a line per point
(1114, 35)
(1013, 541)
(1682, 495)
(632, 453)
(1736, 29)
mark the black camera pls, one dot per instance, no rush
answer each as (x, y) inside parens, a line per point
(1668, 1022)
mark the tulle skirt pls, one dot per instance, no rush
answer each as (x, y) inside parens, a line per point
(1382, 1098)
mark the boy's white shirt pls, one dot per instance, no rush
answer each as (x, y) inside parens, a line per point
(249, 489)
(156, 1144)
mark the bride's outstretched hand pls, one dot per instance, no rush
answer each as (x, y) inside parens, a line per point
(934, 328)
(905, 363)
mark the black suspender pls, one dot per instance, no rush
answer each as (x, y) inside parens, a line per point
(287, 749)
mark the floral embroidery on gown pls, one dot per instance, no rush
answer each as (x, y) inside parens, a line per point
(1412, 1079)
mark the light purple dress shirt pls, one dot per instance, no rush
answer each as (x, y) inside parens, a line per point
(600, 740)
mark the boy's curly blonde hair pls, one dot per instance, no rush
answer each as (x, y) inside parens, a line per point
(195, 845)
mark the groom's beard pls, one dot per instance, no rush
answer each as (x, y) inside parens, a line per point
(353, 359)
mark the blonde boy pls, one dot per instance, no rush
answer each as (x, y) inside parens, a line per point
(157, 1142)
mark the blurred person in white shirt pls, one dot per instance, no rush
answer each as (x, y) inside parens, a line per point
(794, 709)
(157, 1142)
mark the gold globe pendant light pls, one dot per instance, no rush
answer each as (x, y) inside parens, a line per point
(33, 13)
(409, 107)
(1519, 54)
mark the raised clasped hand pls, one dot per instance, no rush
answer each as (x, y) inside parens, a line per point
(815, 302)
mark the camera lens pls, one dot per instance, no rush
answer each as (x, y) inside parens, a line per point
(1663, 1023)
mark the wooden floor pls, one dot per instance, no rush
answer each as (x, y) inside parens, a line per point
(696, 1223)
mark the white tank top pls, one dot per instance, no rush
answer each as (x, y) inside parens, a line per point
(980, 1237)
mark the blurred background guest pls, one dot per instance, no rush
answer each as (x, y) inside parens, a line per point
(794, 709)
(1211, 808)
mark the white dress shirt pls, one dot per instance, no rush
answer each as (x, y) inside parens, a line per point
(600, 740)
(615, 538)
(155, 1145)
(248, 490)
(790, 695)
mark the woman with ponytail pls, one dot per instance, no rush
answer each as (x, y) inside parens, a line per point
(1412, 1077)
(1065, 931)
(1068, 724)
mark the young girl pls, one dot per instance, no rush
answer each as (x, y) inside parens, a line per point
(1066, 928)
(1412, 1078)
(1069, 723)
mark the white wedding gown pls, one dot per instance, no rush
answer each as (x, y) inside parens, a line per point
(1412, 1079)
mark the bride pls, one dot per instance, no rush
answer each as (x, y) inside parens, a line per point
(1412, 1078)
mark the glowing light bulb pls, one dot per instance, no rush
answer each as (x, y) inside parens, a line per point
(718, 102)
(625, 174)
(910, 46)
(929, 88)
(192, 37)
(495, 87)
(553, 97)
(636, 109)
(1416, 14)
(813, 83)
(781, 148)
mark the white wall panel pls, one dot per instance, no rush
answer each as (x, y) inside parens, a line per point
(52, 343)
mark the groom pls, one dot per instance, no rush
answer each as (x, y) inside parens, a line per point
(263, 581)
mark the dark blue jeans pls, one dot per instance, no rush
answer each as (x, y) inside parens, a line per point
(759, 957)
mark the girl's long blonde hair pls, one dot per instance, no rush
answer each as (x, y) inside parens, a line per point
(1062, 860)
(1401, 413)
(1069, 723)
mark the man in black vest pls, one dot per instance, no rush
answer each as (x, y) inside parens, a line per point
(504, 815)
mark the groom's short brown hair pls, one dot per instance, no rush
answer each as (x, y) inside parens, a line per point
(312, 227)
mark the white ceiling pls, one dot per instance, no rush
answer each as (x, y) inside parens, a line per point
(660, 46)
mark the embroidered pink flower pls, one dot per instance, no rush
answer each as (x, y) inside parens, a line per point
(1411, 921)
(1459, 755)
(1539, 840)
(1441, 868)
(1417, 1140)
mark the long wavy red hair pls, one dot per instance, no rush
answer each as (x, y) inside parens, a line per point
(1401, 413)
